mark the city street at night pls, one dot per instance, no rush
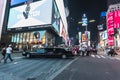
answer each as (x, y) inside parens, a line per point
(59, 39)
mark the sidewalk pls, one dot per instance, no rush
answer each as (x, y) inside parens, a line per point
(5, 76)
(104, 53)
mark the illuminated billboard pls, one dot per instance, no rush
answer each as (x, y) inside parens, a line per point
(15, 2)
(110, 41)
(56, 18)
(110, 23)
(103, 35)
(2, 13)
(37, 13)
(117, 19)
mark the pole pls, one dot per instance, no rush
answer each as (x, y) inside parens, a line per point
(86, 27)
(86, 36)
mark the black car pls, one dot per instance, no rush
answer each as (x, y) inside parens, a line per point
(48, 52)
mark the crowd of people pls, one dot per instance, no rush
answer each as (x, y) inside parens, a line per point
(84, 50)
(110, 50)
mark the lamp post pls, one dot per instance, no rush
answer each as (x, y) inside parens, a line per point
(85, 22)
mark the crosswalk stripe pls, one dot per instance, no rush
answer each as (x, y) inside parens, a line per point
(117, 58)
(111, 58)
(17, 57)
(93, 55)
(98, 56)
(103, 56)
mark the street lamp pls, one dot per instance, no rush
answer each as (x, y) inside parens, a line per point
(85, 22)
(90, 21)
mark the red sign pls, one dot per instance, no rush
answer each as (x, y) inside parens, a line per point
(110, 23)
(111, 41)
(117, 19)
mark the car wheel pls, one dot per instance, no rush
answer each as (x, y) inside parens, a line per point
(28, 56)
(64, 56)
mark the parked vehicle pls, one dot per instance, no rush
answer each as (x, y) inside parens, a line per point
(48, 52)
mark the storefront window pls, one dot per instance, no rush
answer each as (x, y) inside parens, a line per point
(21, 34)
(31, 37)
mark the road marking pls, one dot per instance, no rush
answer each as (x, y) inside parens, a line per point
(58, 72)
(103, 56)
(117, 58)
(98, 56)
(93, 55)
(17, 57)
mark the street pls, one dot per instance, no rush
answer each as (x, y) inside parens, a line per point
(94, 67)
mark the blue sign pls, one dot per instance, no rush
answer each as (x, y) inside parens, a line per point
(15, 2)
(103, 14)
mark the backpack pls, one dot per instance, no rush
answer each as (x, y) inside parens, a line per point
(3, 51)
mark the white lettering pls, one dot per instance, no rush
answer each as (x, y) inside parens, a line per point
(31, 14)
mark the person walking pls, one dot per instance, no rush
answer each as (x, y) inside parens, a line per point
(83, 50)
(8, 53)
(88, 51)
(3, 52)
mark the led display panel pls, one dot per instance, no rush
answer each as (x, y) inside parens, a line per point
(34, 14)
(110, 23)
(15, 2)
(2, 13)
(117, 19)
(110, 41)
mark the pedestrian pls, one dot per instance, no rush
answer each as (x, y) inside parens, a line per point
(8, 53)
(3, 52)
(83, 50)
(88, 51)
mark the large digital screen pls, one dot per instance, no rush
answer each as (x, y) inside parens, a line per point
(111, 41)
(2, 13)
(56, 18)
(15, 2)
(103, 35)
(110, 23)
(37, 13)
(117, 19)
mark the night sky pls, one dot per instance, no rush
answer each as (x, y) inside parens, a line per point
(92, 8)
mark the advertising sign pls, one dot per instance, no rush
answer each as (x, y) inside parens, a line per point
(117, 19)
(79, 35)
(110, 23)
(84, 20)
(84, 38)
(110, 41)
(15, 2)
(2, 13)
(56, 18)
(36, 14)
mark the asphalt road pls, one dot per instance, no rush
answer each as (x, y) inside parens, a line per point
(94, 67)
